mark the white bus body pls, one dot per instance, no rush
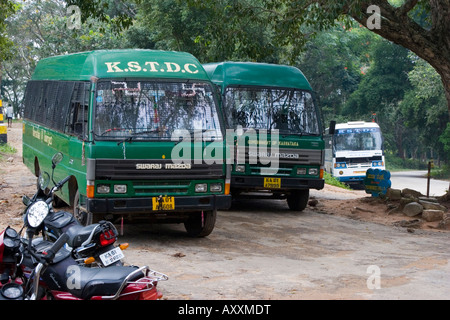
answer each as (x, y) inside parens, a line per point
(352, 149)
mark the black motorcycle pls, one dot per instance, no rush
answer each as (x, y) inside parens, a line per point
(93, 245)
(36, 269)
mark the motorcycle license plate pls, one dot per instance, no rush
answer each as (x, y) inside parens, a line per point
(163, 204)
(272, 183)
(111, 256)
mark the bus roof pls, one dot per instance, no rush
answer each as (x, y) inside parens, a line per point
(227, 74)
(123, 63)
(356, 124)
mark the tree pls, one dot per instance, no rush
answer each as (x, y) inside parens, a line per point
(425, 107)
(39, 30)
(7, 8)
(213, 32)
(422, 26)
(381, 90)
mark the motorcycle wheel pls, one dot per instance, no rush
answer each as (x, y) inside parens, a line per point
(198, 226)
(85, 218)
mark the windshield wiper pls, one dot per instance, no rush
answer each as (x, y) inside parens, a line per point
(128, 139)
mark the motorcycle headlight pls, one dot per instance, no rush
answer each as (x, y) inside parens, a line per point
(36, 213)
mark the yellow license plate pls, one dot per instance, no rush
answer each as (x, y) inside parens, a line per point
(163, 203)
(272, 183)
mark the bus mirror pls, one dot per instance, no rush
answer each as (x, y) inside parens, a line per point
(332, 127)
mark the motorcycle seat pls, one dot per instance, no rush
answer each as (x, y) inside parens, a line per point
(79, 234)
(59, 220)
(99, 281)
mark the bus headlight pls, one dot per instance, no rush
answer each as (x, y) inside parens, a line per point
(103, 188)
(215, 187)
(313, 171)
(120, 188)
(240, 168)
(301, 171)
(201, 187)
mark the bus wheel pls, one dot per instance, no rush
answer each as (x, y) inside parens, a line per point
(201, 224)
(83, 217)
(298, 199)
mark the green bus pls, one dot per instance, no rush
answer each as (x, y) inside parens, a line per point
(134, 127)
(277, 105)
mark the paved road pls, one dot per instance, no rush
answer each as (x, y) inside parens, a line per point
(417, 180)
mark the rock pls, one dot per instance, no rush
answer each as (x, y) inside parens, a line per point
(179, 255)
(432, 215)
(404, 202)
(313, 202)
(432, 206)
(412, 209)
(408, 223)
(444, 224)
(428, 199)
(414, 193)
(394, 194)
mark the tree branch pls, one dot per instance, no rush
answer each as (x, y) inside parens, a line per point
(407, 7)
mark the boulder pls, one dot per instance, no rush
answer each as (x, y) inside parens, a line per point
(444, 224)
(394, 194)
(432, 215)
(410, 192)
(428, 199)
(412, 209)
(427, 205)
(404, 202)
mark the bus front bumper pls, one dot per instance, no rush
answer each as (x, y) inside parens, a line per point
(257, 182)
(145, 205)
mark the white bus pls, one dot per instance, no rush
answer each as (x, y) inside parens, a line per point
(352, 149)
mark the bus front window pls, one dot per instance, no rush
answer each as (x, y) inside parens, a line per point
(151, 110)
(358, 139)
(288, 110)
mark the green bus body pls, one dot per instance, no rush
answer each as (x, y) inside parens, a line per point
(300, 150)
(127, 170)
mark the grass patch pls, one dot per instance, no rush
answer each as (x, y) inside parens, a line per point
(329, 179)
(6, 149)
(441, 173)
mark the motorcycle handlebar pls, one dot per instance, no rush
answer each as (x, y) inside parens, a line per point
(55, 247)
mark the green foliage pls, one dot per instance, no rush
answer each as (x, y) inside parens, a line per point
(211, 31)
(329, 179)
(39, 30)
(7, 8)
(6, 149)
(117, 15)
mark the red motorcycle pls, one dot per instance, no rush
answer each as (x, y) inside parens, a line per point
(36, 269)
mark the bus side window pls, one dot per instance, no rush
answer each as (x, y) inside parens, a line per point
(77, 119)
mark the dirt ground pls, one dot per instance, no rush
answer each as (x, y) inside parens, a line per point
(16, 180)
(321, 253)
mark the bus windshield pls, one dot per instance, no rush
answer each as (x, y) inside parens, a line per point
(357, 139)
(288, 110)
(151, 110)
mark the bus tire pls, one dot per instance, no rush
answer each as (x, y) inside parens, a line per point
(298, 199)
(195, 227)
(83, 217)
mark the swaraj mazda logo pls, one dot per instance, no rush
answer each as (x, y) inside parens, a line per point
(159, 166)
(151, 66)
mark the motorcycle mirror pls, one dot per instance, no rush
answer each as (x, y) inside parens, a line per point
(44, 180)
(26, 200)
(57, 158)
